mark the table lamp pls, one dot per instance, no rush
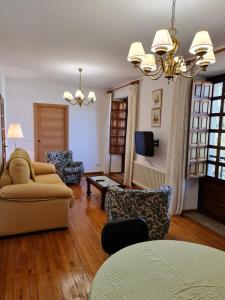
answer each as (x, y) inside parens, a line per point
(15, 132)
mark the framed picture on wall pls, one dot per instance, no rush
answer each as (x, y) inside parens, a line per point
(157, 98)
(156, 117)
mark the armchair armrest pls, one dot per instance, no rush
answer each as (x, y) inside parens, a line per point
(76, 164)
(35, 192)
(43, 168)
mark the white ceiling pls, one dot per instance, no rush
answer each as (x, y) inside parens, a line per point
(48, 40)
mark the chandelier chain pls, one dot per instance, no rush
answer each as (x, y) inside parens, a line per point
(173, 14)
(80, 70)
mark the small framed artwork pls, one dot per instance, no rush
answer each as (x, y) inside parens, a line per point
(156, 117)
(157, 98)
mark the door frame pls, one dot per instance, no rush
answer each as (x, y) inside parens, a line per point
(66, 123)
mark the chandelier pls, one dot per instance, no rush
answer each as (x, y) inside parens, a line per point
(165, 45)
(79, 97)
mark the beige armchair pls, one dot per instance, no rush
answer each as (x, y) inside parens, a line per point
(32, 196)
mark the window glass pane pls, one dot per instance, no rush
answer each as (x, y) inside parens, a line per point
(213, 138)
(204, 122)
(203, 138)
(193, 154)
(216, 105)
(202, 153)
(194, 138)
(217, 89)
(195, 122)
(205, 107)
(211, 170)
(222, 141)
(196, 107)
(221, 174)
(223, 123)
(212, 154)
(222, 156)
(198, 89)
(214, 122)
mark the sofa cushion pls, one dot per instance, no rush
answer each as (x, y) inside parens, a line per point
(49, 178)
(23, 155)
(35, 192)
(43, 168)
(19, 170)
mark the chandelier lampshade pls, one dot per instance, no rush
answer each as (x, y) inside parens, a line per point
(136, 53)
(79, 95)
(162, 42)
(201, 43)
(79, 98)
(207, 59)
(91, 97)
(148, 64)
(164, 62)
(68, 96)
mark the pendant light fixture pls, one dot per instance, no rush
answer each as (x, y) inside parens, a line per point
(79, 98)
(164, 62)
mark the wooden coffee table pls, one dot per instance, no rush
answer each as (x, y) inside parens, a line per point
(101, 183)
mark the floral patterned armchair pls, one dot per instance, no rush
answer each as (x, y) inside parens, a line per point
(70, 171)
(151, 205)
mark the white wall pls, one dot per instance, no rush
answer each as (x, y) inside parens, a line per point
(161, 133)
(86, 124)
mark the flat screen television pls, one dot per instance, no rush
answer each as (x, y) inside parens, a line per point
(144, 143)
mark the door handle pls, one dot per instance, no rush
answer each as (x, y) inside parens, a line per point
(39, 141)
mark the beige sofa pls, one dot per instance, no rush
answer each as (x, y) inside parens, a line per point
(32, 197)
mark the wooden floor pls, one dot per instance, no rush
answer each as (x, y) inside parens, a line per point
(61, 264)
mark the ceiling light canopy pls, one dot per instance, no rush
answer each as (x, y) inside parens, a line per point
(79, 98)
(165, 45)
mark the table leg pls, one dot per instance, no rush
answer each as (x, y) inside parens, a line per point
(88, 189)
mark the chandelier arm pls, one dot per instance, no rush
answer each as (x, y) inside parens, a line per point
(152, 74)
(191, 66)
(194, 74)
(155, 78)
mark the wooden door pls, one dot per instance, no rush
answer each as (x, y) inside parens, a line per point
(50, 129)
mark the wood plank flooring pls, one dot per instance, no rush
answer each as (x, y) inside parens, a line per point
(61, 264)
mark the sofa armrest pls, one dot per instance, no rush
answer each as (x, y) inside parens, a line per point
(43, 168)
(36, 192)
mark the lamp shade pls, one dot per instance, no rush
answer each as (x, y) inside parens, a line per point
(15, 131)
(67, 96)
(136, 53)
(208, 59)
(162, 42)
(79, 94)
(148, 64)
(91, 96)
(201, 43)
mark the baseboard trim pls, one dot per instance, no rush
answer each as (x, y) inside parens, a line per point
(189, 210)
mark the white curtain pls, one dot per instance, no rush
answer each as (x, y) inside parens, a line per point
(177, 144)
(131, 125)
(107, 132)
